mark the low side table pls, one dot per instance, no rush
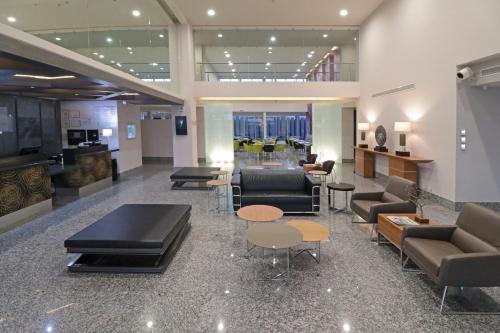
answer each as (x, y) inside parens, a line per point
(274, 236)
(342, 187)
(215, 186)
(259, 214)
(312, 232)
(391, 231)
(221, 173)
(320, 173)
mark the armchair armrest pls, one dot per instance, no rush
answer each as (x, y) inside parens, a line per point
(310, 183)
(390, 207)
(437, 232)
(471, 270)
(236, 180)
(372, 196)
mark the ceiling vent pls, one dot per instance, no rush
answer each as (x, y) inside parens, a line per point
(490, 70)
(395, 90)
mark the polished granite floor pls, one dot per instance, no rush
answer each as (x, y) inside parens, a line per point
(210, 285)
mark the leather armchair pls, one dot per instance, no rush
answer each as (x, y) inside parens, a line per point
(464, 255)
(394, 199)
(311, 159)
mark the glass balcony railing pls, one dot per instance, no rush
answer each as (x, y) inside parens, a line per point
(276, 72)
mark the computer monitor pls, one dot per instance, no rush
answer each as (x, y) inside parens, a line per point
(76, 136)
(92, 135)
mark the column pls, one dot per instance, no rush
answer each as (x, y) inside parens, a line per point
(183, 71)
(327, 131)
(219, 132)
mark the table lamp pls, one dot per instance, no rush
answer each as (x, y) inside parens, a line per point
(363, 127)
(402, 128)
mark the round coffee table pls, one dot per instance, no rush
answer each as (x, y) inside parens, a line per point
(342, 187)
(320, 173)
(312, 232)
(259, 213)
(274, 236)
(215, 186)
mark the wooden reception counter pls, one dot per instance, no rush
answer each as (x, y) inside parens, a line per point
(402, 166)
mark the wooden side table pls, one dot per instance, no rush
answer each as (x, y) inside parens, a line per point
(391, 231)
(312, 232)
(215, 186)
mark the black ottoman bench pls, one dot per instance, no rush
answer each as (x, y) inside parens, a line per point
(198, 175)
(138, 238)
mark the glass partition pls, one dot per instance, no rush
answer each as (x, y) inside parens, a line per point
(276, 55)
(218, 132)
(130, 35)
(249, 126)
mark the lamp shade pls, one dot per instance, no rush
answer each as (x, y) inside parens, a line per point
(107, 132)
(363, 126)
(402, 127)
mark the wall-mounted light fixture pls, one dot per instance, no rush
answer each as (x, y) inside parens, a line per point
(363, 127)
(402, 128)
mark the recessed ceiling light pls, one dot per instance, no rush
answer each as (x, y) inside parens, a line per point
(137, 74)
(211, 12)
(11, 19)
(344, 12)
(154, 64)
(230, 64)
(109, 40)
(131, 52)
(112, 61)
(58, 39)
(298, 69)
(272, 39)
(136, 13)
(129, 48)
(220, 35)
(325, 35)
(131, 70)
(268, 64)
(266, 68)
(233, 70)
(355, 38)
(270, 52)
(118, 64)
(161, 68)
(228, 55)
(270, 48)
(303, 64)
(101, 56)
(309, 55)
(161, 35)
(312, 52)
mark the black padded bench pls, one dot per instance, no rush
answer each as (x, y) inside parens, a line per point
(198, 175)
(138, 238)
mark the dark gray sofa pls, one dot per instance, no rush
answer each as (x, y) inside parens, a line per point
(290, 190)
(463, 255)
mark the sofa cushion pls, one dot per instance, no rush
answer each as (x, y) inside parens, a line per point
(469, 243)
(276, 194)
(481, 222)
(428, 253)
(362, 207)
(265, 180)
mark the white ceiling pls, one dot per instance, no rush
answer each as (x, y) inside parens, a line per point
(276, 12)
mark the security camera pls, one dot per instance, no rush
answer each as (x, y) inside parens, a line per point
(465, 73)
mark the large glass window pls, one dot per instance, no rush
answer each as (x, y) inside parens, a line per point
(277, 125)
(249, 126)
(130, 35)
(276, 55)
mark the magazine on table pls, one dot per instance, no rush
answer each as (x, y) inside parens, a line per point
(401, 220)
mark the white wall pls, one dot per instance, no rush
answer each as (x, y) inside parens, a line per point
(157, 138)
(90, 115)
(130, 155)
(422, 42)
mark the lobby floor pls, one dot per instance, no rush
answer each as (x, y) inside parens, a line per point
(210, 285)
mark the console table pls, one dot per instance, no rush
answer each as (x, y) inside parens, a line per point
(402, 166)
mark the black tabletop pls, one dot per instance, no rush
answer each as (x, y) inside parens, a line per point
(341, 186)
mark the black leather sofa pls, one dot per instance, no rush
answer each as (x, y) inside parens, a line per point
(292, 191)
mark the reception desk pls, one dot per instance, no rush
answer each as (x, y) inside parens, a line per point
(89, 170)
(402, 166)
(24, 188)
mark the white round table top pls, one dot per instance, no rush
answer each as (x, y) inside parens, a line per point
(217, 182)
(318, 172)
(260, 213)
(273, 236)
(219, 172)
